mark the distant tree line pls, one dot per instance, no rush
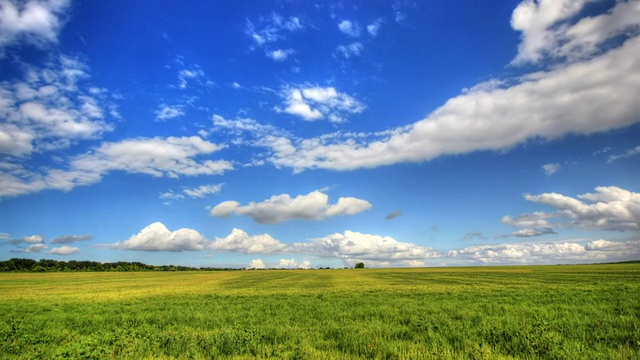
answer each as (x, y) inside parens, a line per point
(45, 265)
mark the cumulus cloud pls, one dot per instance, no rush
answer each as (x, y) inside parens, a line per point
(546, 104)
(350, 28)
(171, 157)
(279, 208)
(352, 247)
(156, 237)
(67, 239)
(531, 232)
(225, 208)
(547, 253)
(33, 239)
(549, 30)
(256, 264)
(64, 250)
(314, 103)
(49, 109)
(35, 248)
(608, 208)
(240, 241)
(551, 169)
(293, 264)
(36, 22)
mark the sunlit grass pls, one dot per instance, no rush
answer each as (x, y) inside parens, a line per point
(504, 312)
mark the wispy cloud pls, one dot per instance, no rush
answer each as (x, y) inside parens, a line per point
(551, 169)
(351, 50)
(627, 154)
(67, 239)
(166, 112)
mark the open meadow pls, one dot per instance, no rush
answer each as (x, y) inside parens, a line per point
(550, 312)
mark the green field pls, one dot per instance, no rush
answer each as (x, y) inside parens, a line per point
(549, 312)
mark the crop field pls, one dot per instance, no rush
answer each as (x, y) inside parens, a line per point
(548, 312)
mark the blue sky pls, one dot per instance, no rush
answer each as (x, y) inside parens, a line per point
(312, 134)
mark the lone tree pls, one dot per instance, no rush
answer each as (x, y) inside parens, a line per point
(359, 265)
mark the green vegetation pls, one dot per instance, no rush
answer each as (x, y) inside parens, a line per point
(550, 312)
(47, 265)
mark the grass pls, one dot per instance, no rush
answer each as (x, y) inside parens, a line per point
(547, 312)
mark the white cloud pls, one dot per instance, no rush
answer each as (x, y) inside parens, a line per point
(245, 130)
(225, 208)
(203, 190)
(67, 239)
(279, 208)
(348, 206)
(36, 22)
(374, 27)
(170, 196)
(548, 253)
(256, 264)
(373, 250)
(532, 220)
(293, 264)
(551, 169)
(194, 75)
(549, 31)
(35, 248)
(48, 109)
(609, 208)
(532, 232)
(546, 104)
(629, 153)
(33, 239)
(171, 157)
(350, 28)
(280, 54)
(166, 112)
(315, 103)
(351, 50)
(240, 241)
(271, 29)
(156, 237)
(64, 250)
